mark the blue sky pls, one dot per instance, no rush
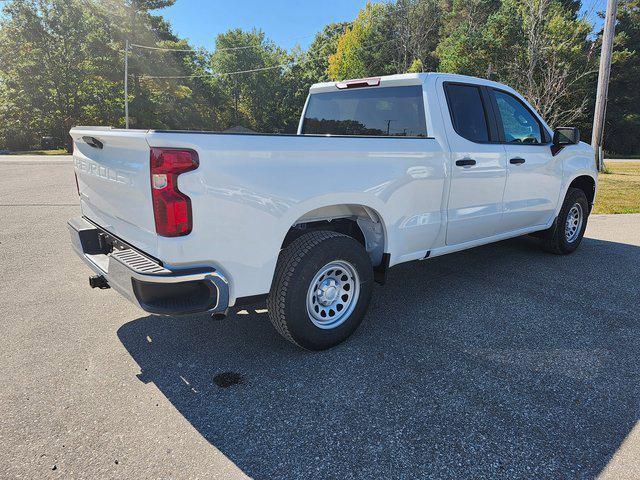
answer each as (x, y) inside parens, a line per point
(287, 22)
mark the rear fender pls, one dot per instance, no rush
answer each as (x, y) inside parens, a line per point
(369, 221)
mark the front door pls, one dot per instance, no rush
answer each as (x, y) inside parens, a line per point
(478, 164)
(533, 173)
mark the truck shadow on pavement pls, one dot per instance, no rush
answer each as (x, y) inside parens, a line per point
(499, 361)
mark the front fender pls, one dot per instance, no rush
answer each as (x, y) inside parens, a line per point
(577, 164)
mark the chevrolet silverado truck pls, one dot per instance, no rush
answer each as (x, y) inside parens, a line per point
(381, 171)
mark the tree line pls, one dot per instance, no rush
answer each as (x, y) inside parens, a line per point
(61, 64)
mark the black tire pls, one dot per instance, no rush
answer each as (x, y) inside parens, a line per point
(297, 267)
(554, 240)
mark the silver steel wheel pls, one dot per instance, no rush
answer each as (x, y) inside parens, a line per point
(573, 225)
(333, 294)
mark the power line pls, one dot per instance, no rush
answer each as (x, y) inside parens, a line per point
(253, 70)
(164, 49)
(282, 65)
(261, 69)
(588, 13)
(223, 49)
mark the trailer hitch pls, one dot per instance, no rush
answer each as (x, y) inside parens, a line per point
(98, 281)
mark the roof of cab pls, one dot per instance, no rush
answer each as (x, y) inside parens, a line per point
(405, 79)
(385, 81)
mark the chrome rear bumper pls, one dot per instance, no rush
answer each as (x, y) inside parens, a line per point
(145, 281)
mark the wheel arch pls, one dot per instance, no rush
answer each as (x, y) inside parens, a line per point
(587, 184)
(586, 181)
(363, 223)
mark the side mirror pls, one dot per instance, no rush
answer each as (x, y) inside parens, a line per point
(566, 136)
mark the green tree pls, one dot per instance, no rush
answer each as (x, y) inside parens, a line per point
(359, 50)
(252, 99)
(538, 47)
(314, 63)
(55, 60)
(61, 64)
(389, 38)
(462, 47)
(306, 69)
(414, 27)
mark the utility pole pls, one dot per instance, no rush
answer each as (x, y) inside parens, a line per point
(603, 81)
(126, 85)
(389, 125)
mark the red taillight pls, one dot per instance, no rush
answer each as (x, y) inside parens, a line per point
(171, 207)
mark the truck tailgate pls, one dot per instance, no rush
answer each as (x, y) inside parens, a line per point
(113, 170)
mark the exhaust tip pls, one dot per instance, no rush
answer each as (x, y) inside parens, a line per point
(98, 281)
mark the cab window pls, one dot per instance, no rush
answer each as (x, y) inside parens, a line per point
(384, 112)
(518, 123)
(467, 111)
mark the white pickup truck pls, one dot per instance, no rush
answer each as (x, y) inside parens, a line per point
(382, 171)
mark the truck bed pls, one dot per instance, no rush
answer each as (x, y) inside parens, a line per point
(255, 187)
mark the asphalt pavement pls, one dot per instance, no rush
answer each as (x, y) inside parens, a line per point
(498, 362)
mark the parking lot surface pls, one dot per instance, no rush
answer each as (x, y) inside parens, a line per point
(498, 362)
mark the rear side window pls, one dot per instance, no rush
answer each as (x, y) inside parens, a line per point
(388, 111)
(467, 112)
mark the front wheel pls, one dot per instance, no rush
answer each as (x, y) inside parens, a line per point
(321, 289)
(566, 233)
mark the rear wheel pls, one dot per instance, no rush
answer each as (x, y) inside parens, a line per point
(566, 233)
(321, 289)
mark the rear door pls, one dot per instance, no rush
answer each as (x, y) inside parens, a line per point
(478, 163)
(113, 171)
(533, 174)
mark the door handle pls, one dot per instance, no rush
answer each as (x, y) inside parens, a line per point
(517, 161)
(465, 162)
